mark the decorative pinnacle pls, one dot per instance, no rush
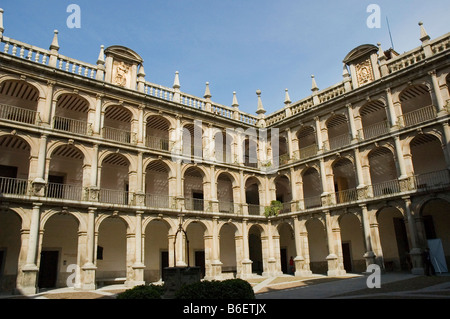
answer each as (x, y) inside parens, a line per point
(207, 92)
(423, 33)
(101, 55)
(260, 109)
(55, 45)
(345, 73)
(141, 71)
(314, 84)
(381, 54)
(176, 83)
(287, 99)
(235, 101)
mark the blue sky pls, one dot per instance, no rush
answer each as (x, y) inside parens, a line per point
(236, 45)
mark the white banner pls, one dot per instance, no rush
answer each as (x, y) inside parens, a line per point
(437, 255)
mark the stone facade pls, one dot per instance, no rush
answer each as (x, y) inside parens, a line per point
(100, 168)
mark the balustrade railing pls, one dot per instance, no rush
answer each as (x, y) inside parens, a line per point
(196, 204)
(312, 202)
(339, 141)
(307, 152)
(158, 143)
(118, 135)
(432, 180)
(158, 91)
(287, 208)
(64, 191)
(159, 201)
(226, 207)
(25, 51)
(375, 130)
(255, 210)
(70, 125)
(76, 67)
(346, 196)
(418, 116)
(18, 114)
(13, 186)
(112, 196)
(385, 188)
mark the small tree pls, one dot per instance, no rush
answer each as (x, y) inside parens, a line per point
(274, 209)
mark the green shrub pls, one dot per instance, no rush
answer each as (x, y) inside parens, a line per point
(143, 292)
(228, 289)
(274, 209)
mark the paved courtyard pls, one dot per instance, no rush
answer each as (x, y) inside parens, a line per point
(351, 286)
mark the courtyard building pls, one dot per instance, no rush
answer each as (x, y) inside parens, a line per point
(100, 169)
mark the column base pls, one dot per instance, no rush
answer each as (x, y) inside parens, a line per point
(28, 284)
(333, 266)
(246, 271)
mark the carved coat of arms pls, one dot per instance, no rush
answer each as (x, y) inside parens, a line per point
(364, 72)
(121, 73)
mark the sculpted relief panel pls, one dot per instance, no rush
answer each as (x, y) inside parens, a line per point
(121, 73)
(364, 72)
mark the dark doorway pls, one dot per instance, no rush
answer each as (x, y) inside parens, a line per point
(55, 190)
(48, 269)
(200, 261)
(164, 263)
(428, 224)
(284, 260)
(198, 201)
(347, 255)
(255, 252)
(402, 243)
(8, 171)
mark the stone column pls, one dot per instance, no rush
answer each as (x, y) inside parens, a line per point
(30, 271)
(141, 128)
(318, 133)
(242, 193)
(359, 171)
(391, 109)
(301, 265)
(48, 110)
(179, 188)
(369, 256)
(334, 258)
(94, 189)
(98, 115)
(139, 192)
(272, 270)
(323, 180)
(213, 187)
(437, 92)
(39, 181)
(88, 269)
(138, 266)
(296, 190)
(400, 158)
(351, 120)
(290, 146)
(415, 252)
(216, 264)
(376, 244)
(246, 272)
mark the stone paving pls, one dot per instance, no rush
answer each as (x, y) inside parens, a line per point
(351, 286)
